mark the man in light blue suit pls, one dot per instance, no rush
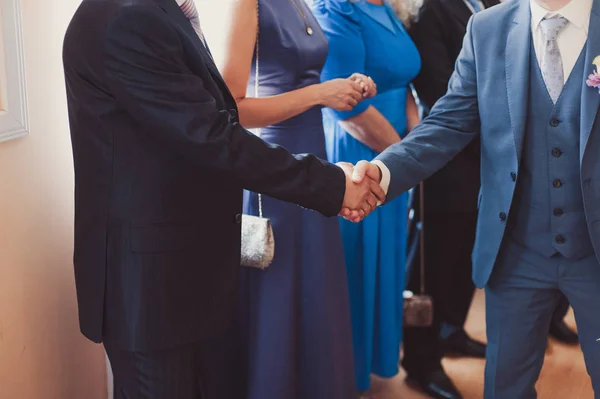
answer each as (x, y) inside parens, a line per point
(521, 82)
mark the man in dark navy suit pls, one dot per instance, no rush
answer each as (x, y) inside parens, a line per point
(160, 165)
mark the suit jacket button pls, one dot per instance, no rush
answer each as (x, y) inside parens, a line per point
(502, 216)
(557, 212)
(238, 218)
(560, 239)
(556, 183)
(233, 114)
(554, 122)
(513, 176)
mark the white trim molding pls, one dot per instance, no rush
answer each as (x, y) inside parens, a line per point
(13, 118)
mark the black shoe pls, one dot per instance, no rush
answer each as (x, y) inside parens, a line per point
(563, 333)
(436, 384)
(461, 344)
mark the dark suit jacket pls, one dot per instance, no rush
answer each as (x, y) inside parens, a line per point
(160, 164)
(439, 35)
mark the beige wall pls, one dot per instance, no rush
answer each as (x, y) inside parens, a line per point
(42, 354)
(215, 16)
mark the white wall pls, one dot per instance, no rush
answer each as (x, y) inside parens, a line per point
(42, 354)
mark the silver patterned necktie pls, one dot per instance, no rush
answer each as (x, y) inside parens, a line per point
(552, 65)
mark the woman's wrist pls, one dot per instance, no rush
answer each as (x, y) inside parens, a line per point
(317, 94)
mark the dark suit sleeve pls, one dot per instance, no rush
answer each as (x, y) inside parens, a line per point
(452, 124)
(437, 61)
(146, 72)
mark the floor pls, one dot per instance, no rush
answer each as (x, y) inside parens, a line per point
(563, 376)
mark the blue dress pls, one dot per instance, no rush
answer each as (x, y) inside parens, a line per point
(368, 38)
(296, 314)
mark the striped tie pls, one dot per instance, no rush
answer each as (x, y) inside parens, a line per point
(189, 10)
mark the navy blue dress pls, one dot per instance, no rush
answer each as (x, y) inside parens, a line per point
(295, 315)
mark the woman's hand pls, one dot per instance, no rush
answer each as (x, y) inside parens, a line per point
(341, 94)
(368, 85)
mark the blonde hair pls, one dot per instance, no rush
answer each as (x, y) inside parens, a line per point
(407, 11)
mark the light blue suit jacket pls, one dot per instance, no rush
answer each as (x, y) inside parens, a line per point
(488, 95)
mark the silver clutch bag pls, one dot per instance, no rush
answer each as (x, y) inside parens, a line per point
(418, 310)
(258, 242)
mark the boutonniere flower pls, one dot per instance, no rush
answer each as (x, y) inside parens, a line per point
(594, 79)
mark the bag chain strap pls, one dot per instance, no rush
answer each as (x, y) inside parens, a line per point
(260, 209)
(422, 236)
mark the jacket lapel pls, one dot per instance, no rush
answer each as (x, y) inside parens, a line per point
(517, 67)
(459, 10)
(174, 12)
(590, 99)
(490, 3)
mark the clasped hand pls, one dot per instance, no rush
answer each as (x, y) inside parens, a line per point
(363, 192)
(345, 94)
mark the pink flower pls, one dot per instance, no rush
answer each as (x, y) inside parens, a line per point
(594, 80)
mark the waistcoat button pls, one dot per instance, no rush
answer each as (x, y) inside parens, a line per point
(556, 152)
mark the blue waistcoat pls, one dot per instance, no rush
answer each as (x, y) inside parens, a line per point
(548, 215)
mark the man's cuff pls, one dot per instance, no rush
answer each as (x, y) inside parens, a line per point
(385, 176)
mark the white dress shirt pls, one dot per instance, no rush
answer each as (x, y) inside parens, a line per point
(571, 41)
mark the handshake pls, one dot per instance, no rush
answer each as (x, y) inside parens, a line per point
(363, 190)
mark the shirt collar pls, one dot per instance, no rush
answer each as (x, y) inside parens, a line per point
(577, 12)
(180, 2)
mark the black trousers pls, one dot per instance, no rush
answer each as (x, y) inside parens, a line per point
(449, 240)
(204, 370)
(562, 307)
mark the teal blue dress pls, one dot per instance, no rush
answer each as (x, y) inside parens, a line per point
(368, 38)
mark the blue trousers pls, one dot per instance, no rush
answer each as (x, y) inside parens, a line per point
(520, 298)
